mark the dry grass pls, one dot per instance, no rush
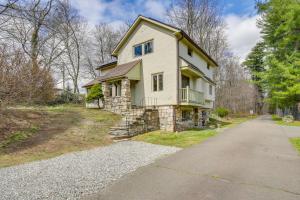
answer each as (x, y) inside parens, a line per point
(34, 133)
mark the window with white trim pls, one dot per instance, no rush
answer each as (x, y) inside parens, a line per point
(143, 48)
(157, 82)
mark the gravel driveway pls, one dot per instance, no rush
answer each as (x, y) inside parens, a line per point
(71, 176)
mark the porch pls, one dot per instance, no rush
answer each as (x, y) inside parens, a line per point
(190, 96)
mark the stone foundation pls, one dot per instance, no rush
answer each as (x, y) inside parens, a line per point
(167, 118)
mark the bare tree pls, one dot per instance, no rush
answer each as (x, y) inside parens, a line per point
(100, 46)
(202, 21)
(71, 32)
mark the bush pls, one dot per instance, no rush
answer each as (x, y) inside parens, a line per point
(222, 112)
(67, 97)
(288, 118)
(95, 93)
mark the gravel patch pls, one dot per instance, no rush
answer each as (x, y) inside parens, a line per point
(73, 175)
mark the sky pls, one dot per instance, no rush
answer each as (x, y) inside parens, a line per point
(239, 15)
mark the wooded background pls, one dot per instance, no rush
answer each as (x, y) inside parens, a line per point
(47, 43)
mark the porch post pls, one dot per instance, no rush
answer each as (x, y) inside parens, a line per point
(187, 94)
(125, 94)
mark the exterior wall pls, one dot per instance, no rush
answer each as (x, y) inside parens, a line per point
(162, 59)
(195, 59)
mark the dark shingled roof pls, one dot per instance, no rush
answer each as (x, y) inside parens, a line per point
(118, 71)
(108, 64)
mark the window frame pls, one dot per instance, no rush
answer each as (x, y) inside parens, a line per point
(144, 45)
(157, 75)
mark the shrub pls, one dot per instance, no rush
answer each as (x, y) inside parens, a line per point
(288, 118)
(95, 93)
(67, 96)
(222, 112)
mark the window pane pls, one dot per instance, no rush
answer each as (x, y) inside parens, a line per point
(148, 47)
(138, 50)
(160, 81)
(154, 82)
(110, 90)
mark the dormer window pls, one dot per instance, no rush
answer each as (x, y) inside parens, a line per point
(190, 52)
(148, 47)
(138, 50)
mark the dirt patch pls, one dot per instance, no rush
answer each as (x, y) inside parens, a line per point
(35, 133)
(20, 129)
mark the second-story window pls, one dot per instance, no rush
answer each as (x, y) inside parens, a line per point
(148, 47)
(190, 52)
(138, 50)
(157, 82)
(210, 89)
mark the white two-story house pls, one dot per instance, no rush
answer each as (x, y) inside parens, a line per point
(159, 65)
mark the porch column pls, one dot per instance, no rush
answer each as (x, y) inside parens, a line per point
(125, 94)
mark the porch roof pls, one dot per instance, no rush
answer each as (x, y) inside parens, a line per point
(118, 71)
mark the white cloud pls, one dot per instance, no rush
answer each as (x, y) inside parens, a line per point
(92, 10)
(155, 8)
(242, 34)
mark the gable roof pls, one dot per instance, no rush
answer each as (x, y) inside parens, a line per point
(175, 30)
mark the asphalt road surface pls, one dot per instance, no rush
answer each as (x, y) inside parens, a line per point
(252, 161)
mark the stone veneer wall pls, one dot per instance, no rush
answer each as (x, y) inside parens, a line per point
(167, 118)
(170, 118)
(183, 125)
(117, 104)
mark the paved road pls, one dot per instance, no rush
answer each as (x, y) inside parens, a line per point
(251, 161)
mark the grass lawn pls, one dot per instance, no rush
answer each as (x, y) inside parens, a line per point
(279, 121)
(40, 132)
(186, 138)
(296, 143)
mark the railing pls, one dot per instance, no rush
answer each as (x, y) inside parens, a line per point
(188, 95)
(148, 102)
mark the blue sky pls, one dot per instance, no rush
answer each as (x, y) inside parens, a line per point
(239, 15)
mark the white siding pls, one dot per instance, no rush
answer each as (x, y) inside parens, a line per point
(195, 59)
